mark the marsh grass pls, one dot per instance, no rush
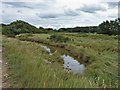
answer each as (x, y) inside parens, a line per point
(27, 64)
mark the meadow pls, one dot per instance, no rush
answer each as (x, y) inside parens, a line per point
(28, 69)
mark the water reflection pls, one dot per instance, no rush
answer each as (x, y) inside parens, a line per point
(47, 49)
(70, 64)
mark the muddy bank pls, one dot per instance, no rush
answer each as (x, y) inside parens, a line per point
(64, 48)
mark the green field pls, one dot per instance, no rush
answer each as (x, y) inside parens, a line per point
(26, 60)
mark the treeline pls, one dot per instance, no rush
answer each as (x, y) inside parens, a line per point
(87, 29)
(19, 26)
(107, 27)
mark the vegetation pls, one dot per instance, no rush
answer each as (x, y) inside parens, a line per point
(110, 28)
(101, 70)
(59, 38)
(27, 59)
(18, 27)
(28, 69)
(89, 29)
(107, 27)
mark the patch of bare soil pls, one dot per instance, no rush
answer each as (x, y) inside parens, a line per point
(0, 68)
(6, 83)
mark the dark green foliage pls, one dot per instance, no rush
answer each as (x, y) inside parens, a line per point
(109, 27)
(46, 30)
(2, 24)
(90, 29)
(59, 38)
(18, 27)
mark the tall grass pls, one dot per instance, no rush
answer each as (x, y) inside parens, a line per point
(27, 61)
(29, 70)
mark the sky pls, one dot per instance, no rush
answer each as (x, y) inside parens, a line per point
(59, 13)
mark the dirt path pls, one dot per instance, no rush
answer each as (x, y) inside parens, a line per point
(0, 68)
(5, 80)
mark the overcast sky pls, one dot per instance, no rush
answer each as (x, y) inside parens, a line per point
(59, 13)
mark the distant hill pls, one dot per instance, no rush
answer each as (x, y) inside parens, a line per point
(18, 27)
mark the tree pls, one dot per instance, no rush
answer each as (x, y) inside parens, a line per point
(108, 27)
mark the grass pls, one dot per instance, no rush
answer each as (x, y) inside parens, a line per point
(28, 68)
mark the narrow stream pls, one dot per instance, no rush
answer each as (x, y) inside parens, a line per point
(70, 64)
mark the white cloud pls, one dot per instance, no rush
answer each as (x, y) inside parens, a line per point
(59, 13)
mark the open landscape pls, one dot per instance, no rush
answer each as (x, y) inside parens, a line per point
(35, 60)
(73, 57)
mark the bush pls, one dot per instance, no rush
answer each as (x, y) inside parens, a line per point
(59, 38)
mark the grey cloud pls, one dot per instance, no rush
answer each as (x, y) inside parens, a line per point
(70, 12)
(17, 4)
(119, 9)
(3, 11)
(32, 5)
(92, 8)
(66, 12)
(7, 20)
(19, 11)
(48, 15)
(112, 16)
(51, 13)
(112, 4)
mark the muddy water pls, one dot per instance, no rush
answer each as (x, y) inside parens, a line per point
(72, 65)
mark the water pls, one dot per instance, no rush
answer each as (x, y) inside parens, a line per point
(0, 50)
(47, 49)
(72, 65)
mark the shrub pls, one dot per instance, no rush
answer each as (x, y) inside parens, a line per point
(59, 38)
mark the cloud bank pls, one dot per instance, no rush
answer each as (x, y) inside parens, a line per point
(59, 13)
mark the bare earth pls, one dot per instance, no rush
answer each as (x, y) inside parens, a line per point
(5, 81)
(0, 66)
